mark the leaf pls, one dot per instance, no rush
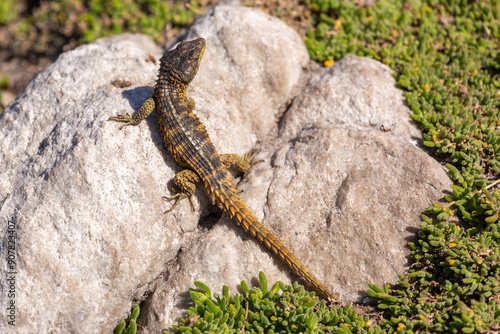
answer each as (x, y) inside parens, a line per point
(212, 307)
(429, 143)
(135, 313)
(312, 321)
(244, 287)
(375, 288)
(197, 297)
(132, 327)
(453, 170)
(263, 281)
(493, 218)
(487, 193)
(276, 288)
(120, 329)
(203, 287)
(404, 82)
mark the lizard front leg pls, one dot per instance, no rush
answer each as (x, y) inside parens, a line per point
(141, 114)
(186, 181)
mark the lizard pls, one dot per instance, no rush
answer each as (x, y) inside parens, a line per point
(187, 140)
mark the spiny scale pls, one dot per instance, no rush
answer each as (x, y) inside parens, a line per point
(189, 143)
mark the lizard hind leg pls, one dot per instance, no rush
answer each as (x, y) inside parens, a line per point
(186, 181)
(243, 164)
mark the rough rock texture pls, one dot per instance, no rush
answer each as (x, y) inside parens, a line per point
(92, 238)
(356, 93)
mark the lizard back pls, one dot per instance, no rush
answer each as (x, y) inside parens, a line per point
(182, 131)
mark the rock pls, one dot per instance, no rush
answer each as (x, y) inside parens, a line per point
(82, 253)
(85, 198)
(338, 96)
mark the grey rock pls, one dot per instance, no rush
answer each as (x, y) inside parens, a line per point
(143, 42)
(92, 236)
(82, 253)
(357, 93)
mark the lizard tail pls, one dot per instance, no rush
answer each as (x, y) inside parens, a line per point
(227, 196)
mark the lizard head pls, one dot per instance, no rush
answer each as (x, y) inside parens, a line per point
(183, 61)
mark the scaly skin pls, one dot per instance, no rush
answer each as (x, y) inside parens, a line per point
(189, 143)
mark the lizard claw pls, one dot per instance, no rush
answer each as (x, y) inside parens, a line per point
(178, 197)
(248, 157)
(127, 119)
(191, 202)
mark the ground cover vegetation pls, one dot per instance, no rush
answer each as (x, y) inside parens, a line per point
(446, 58)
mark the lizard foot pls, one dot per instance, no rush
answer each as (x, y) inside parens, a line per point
(243, 164)
(185, 181)
(248, 157)
(178, 196)
(127, 119)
